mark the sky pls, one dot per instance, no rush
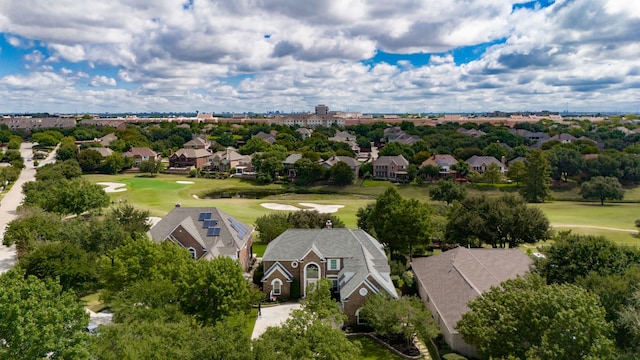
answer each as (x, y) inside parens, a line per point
(400, 56)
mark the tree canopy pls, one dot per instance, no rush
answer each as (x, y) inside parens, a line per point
(525, 318)
(602, 188)
(536, 183)
(448, 191)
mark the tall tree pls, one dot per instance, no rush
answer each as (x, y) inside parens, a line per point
(39, 320)
(602, 188)
(525, 318)
(517, 172)
(565, 162)
(151, 166)
(499, 222)
(448, 191)
(341, 174)
(536, 185)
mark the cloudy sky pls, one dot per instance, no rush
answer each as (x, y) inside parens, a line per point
(289, 55)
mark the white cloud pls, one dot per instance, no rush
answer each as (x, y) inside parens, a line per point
(98, 81)
(579, 52)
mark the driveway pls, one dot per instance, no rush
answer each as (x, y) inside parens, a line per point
(272, 316)
(13, 199)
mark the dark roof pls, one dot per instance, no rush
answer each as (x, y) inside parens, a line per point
(363, 256)
(386, 160)
(457, 276)
(476, 161)
(189, 223)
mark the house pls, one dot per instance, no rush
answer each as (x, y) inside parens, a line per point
(186, 158)
(343, 136)
(198, 142)
(447, 282)
(352, 259)
(227, 159)
(140, 154)
(481, 163)
(104, 152)
(304, 133)
(270, 138)
(207, 233)
(390, 167)
(444, 162)
(106, 140)
(353, 163)
(289, 164)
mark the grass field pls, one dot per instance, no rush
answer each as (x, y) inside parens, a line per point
(371, 350)
(160, 194)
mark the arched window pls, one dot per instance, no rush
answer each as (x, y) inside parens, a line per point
(311, 275)
(192, 251)
(359, 319)
(276, 287)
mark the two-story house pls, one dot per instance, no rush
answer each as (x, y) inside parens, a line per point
(390, 167)
(140, 154)
(352, 259)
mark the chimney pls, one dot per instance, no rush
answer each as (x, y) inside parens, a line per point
(329, 224)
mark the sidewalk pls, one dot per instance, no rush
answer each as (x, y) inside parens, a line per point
(272, 316)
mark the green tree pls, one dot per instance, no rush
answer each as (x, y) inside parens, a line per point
(73, 267)
(151, 166)
(134, 221)
(341, 174)
(496, 150)
(254, 145)
(525, 318)
(517, 172)
(499, 222)
(536, 184)
(565, 162)
(447, 191)
(492, 174)
(66, 151)
(406, 316)
(602, 188)
(33, 226)
(630, 320)
(462, 167)
(270, 226)
(113, 164)
(226, 140)
(89, 160)
(308, 171)
(60, 169)
(39, 320)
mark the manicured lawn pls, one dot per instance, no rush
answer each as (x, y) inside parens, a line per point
(371, 350)
(160, 194)
(93, 302)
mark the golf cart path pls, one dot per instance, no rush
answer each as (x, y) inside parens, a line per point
(592, 227)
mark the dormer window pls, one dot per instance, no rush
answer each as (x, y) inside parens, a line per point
(333, 264)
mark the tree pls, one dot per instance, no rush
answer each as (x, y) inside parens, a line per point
(151, 166)
(341, 174)
(254, 145)
(72, 266)
(462, 167)
(60, 169)
(602, 188)
(89, 160)
(309, 333)
(406, 317)
(112, 164)
(397, 223)
(226, 139)
(517, 172)
(574, 256)
(308, 171)
(270, 226)
(496, 150)
(65, 197)
(66, 151)
(536, 184)
(134, 221)
(525, 318)
(565, 162)
(447, 191)
(492, 174)
(32, 226)
(630, 320)
(39, 320)
(499, 222)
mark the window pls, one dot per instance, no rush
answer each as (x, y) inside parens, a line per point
(276, 286)
(359, 319)
(333, 264)
(192, 251)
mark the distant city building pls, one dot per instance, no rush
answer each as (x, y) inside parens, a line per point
(322, 109)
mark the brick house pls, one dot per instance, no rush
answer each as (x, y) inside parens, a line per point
(390, 167)
(207, 233)
(186, 158)
(140, 154)
(352, 259)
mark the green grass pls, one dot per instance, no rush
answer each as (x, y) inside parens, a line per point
(160, 194)
(252, 317)
(371, 350)
(93, 302)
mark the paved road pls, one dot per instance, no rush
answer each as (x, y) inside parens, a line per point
(12, 200)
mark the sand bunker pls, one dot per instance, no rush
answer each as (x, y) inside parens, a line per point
(112, 187)
(325, 209)
(185, 182)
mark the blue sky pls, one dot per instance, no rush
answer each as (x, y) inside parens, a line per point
(357, 55)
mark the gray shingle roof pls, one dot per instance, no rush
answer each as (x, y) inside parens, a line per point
(363, 256)
(455, 277)
(233, 233)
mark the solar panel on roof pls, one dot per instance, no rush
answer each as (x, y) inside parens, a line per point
(209, 223)
(240, 229)
(213, 231)
(205, 215)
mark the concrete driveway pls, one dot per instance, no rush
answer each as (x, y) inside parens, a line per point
(272, 316)
(12, 199)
